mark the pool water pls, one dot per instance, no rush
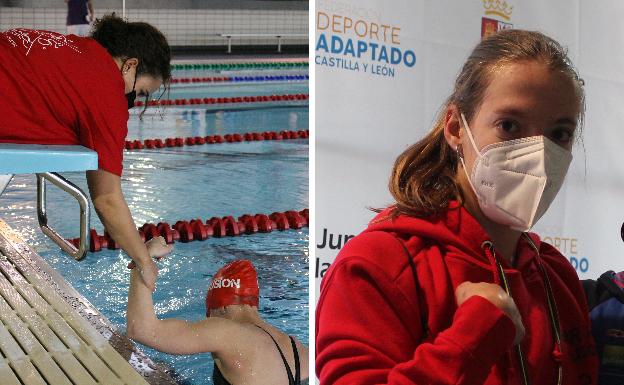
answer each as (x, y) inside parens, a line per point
(172, 184)
(182, 122)
(238, 89)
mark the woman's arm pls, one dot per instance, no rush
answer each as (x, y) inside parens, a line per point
(111, 207)
(368, 328)
(364, 336)
(172, 336)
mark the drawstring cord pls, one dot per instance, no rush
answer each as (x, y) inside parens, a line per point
(488, 248)
(557, 353)
(501, 280)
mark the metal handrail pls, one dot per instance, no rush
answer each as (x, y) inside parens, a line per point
(279, 36)
(67, 186)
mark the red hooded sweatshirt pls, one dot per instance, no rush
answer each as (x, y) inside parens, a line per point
(377, 323)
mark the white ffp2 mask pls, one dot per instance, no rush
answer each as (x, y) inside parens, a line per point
(515, 181)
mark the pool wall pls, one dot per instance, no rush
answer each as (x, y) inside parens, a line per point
(24, 258)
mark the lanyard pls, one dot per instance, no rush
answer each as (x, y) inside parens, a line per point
(552, 311)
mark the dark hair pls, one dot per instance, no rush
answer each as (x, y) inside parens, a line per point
(124, 39)
(423, 177)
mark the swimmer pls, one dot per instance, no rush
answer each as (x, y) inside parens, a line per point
(245, 348)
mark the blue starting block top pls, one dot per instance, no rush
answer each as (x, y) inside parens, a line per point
(36, 158)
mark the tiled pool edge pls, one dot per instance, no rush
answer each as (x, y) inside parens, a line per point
(22, 256)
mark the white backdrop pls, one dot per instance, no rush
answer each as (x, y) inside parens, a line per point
(366, 116)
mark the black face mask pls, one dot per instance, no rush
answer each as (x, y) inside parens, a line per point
(131, 96)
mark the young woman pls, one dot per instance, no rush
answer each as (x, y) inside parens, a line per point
(447, 286)
(59, 89)
(246, 349)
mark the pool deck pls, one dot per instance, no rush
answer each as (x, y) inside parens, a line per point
(51, 334)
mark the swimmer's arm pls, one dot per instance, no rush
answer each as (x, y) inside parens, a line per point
(172, 336)
(111, 207)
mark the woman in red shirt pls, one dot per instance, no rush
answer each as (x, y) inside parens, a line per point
(447, 286)
(59, 89)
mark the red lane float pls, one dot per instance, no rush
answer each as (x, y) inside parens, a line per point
(224, 100)
(212, 139)
(198, 230)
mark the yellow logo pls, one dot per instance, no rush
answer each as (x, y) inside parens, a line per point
(498, 8)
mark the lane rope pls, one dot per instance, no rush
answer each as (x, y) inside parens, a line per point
(225, 79)
(239, 66)
(215, 139)
(224, 100)
(198, 230)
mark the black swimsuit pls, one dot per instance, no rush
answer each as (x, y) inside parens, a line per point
(218, 379)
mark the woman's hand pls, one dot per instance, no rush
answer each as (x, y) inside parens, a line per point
(157, 248)
(148, 271)
(497, 296)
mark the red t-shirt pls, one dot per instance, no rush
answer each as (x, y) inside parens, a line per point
(58, 89)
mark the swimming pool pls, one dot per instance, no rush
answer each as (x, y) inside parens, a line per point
(171, 184)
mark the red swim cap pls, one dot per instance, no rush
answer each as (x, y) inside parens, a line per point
(234, 284)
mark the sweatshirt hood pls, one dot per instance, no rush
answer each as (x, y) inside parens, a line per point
(455, 228)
